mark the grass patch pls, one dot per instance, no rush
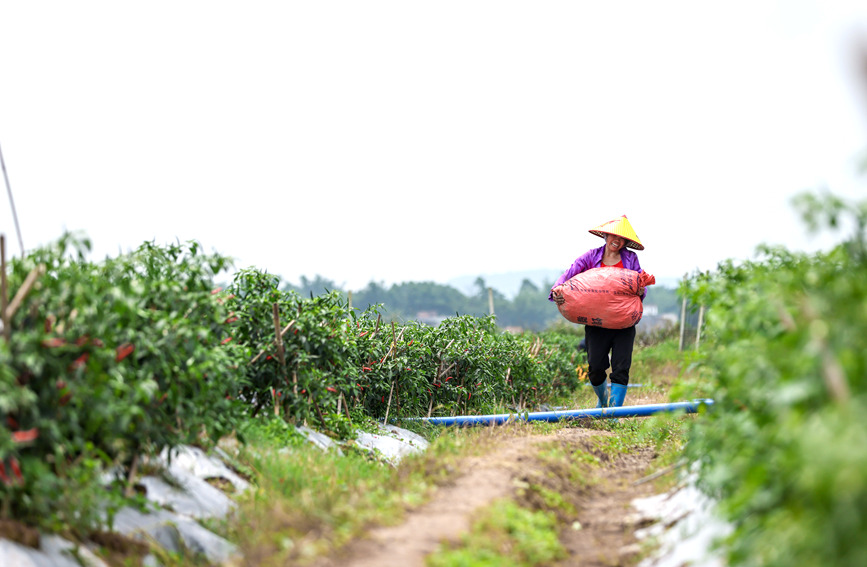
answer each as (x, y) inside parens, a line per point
(505, 534)
(305, 502)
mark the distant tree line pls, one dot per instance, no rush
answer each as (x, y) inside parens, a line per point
(529, 309)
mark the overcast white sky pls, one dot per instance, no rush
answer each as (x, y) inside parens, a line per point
(421, 141)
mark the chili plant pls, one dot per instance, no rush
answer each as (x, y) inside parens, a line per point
(107, 362)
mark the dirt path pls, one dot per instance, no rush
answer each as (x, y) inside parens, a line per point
(603, 504)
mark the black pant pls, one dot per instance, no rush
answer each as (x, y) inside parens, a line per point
(602, 341)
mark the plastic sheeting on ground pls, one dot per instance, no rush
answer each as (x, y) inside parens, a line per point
(188, 495)
(392, 442)
(685, 527)
(186, 492)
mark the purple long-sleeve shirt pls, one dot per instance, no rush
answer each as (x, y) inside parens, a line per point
(591, 259)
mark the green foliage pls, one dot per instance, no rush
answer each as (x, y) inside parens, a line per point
(785, 447)
(107, 362)
(334, 356)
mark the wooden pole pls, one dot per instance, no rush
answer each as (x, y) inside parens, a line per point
(281, 355)
(698, 330)
(491, 300)
(29, 282)
(388, 407)
(12, 203)
(264, 350)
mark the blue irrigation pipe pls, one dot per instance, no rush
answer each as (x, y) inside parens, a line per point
(625, 411)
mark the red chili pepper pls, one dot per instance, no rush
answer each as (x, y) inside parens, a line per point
(409, 344)
(231, 319)
(11, 421)
(366, 369)
(3, 476)
(16, 469)
(53, 343)
(303, 391)
(226, 340)
(80, 361)
(81, 341)
(449, 378)
(124, 351)
(330, 389)
(25, 436)
(383, 399)
(362, 334)
(268, 357)
(216, 291)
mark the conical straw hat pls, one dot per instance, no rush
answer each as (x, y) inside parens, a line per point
(619, 227)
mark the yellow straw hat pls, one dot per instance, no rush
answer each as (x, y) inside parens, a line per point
(619, 227)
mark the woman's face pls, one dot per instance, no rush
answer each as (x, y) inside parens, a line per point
(614, 243)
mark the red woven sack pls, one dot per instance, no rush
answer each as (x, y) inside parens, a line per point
(604, 297)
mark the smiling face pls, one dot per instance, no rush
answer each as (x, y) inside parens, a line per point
(614, 243)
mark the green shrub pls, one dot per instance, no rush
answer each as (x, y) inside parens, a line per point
(784, 446)
(107, 362)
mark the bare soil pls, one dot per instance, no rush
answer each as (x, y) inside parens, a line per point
(602, 536)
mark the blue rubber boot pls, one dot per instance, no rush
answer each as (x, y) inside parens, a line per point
(618, 394)
(602, 393)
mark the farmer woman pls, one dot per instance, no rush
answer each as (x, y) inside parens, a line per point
(619, 235)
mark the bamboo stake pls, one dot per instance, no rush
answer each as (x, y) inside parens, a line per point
(279, 339)
(388, 406)
(11, 202)
(264, 350)
(23, 290)
(129, 490)
(491, 300)
(698, 330)
(281, 355)
(346, 408)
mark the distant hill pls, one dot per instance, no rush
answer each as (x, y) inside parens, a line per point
(509, 283)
